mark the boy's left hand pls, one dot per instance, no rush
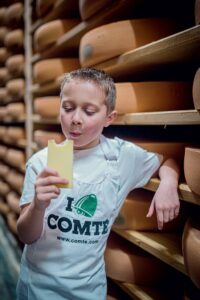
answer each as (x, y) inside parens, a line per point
(166, 203)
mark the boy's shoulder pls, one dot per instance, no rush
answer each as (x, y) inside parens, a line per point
(40, 157)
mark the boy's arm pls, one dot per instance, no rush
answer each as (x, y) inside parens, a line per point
(166, 201)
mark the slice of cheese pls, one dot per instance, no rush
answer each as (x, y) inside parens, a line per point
(60, 158)
(111, 40)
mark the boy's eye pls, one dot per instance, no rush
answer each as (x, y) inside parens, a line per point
(67, 108)
(89, 112)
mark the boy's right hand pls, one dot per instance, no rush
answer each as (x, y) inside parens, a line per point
(46, 189)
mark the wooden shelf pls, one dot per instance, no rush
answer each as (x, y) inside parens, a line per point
(69, 42)
(165, 246)
(48, 88)
(62, 8)
(179, 117)
(37, 119)
(184, 191)
(176, 49)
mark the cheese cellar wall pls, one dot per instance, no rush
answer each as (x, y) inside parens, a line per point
(152, 51)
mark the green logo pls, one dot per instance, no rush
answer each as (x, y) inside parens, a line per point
(86, 205)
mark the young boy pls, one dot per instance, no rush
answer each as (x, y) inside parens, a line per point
(65, 230)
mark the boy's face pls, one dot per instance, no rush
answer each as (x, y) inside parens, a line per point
(83, 113)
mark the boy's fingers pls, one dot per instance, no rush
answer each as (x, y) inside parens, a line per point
(151, 210)
(52, 180)
(48, 171)
(160, 219)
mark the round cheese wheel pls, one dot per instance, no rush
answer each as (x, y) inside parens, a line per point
(3, 75)
(134, 210)
(15, 157)
(88, 8)
(3, 54)
(14, 14)
(192, 168)
(13, 201)
(197, 12)
(41, 137)
(16, 180)
(14, 39)
(3, 111)
(44, 6)
(12, 222)
(3, 95)
(49, 69)
(3, 32)
(114, 39)
(48, 34)
(196, 90)
(3, 151)
(3, 15)
(16, 133)
(15, 64)
(16, 110)
(191, 246)
(47, 107)
(4, 170)
(4, 188)
(128, 263)
(15, 87)
(153, 96)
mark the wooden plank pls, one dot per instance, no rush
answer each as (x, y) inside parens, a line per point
(182, 47)
(47, 88)
(184, 191)
(61, 9)
(165, 246)
(37, 119)
(179, 117)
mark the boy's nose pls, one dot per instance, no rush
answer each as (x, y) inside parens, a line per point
(76, 119)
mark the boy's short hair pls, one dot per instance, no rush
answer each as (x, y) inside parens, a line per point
(98, 77)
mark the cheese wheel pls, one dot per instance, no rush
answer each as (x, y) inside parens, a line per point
(153, 96)
(88, 8)
(3, 15)
(114, 39)
(4, 188)
(4, 170)
(192, 168)
(49, 69)
(3, 111)
(44, 6)
(41, 137)
(16, 87)
(3, 54)
(16, 134)
(15, 64)
(14, 14)
(15, 157)
(3, 151)
(16, 180)
(47, 107)
(48, 34)
(3, 75)
(13, 202)
(197, 12)
(12, 222)
(128, 263)
(191, 246)
(3, 32)
(3, 95)
(14, 39)
(16, 110)
(134, 210)
(196, 90)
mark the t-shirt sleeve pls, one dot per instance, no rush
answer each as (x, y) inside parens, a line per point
(136, 166)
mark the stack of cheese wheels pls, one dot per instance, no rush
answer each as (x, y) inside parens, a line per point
(15, 65)
(47, 107)
(114, 39)
(128, 263)
(12, 221)
(191, 246)
(15, 87)
(3, 15)
(14, 14)
(134, 210)
(50, 69)
(15, 157)
(41, 137)
(153, 96)
(3, 54)
(14, 39)
(3, 95)
(15, 179)
(13, 201)
(196, 90)
(192, 168)
(48, 34)
(15, 134)
(3, 75)
(197, 12)
(16, 110)
(3, 32)
(44, 6)
(88, 8)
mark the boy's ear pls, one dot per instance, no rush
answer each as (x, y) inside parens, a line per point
(110, 118)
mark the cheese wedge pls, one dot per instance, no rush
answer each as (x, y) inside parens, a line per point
(60, 158)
